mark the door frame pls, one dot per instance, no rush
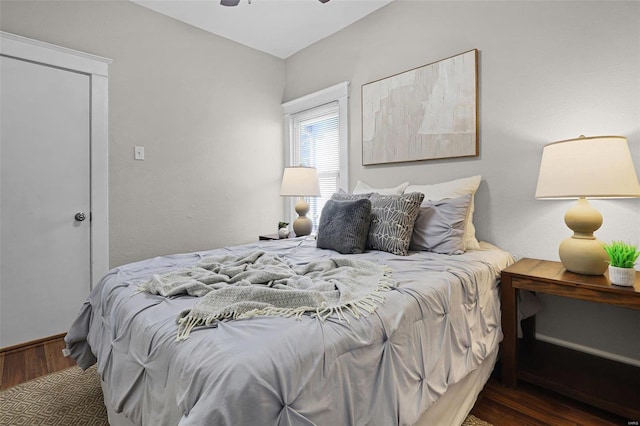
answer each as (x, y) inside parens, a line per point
(97, 68)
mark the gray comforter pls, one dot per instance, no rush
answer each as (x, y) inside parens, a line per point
(436, 326)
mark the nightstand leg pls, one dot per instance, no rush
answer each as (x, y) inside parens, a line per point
(509, 330)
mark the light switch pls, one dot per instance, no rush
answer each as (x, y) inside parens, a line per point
(138, 152)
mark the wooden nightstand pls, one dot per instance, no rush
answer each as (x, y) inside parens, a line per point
(270, 237)
(603, 383)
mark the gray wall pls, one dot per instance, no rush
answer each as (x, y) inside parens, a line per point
(207, 111)
(547, 71)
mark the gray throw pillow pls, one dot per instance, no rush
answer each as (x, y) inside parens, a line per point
(341, 195)
(344, 225)
(440, 225)
(392, 220)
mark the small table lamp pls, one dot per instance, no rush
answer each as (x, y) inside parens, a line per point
(300, 182)
(594, 167)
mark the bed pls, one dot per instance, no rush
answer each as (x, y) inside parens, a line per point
(420, 356)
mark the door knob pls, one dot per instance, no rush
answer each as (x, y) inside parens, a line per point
(80, 217)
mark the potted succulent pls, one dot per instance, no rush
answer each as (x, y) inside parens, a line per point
(622, 258)
(283, 231)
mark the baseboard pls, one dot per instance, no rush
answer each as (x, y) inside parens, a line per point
(589, 350)
(30, 344)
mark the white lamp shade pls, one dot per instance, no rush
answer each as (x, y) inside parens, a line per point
(594, 167)
(300, 182)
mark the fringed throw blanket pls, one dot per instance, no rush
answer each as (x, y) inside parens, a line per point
(236, 286)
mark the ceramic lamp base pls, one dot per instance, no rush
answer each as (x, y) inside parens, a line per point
(582, 253)
(583, 256)
(302, 225)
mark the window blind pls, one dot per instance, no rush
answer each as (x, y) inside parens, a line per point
(316, 143)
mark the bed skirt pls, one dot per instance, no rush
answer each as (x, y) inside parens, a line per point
(451, 409)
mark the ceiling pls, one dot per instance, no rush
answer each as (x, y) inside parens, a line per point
(278, 27)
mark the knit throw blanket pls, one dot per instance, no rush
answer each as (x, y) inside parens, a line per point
(236, 286)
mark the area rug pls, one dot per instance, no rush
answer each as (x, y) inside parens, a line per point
(68, 398)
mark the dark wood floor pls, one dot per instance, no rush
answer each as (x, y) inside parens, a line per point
(529, 405)
(526, 405)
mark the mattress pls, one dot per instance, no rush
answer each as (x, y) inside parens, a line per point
(436, 327)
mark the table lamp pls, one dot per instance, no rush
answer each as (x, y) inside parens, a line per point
(300, 182)
(586, 167)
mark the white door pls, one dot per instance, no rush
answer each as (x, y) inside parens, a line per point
(45, 270)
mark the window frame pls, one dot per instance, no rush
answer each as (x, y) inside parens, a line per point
(337, 93)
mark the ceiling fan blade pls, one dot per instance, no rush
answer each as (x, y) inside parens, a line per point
(236, 2)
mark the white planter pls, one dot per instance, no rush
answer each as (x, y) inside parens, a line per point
(622, 276)
(283, 232)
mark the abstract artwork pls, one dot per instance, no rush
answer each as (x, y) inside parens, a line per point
(422, 114)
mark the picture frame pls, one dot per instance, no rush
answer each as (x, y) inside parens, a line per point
(426, 113)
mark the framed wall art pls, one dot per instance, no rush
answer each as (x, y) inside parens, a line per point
(425, 113)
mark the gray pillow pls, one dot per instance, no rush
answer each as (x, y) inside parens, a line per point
(392, 219)
(440, 226)
(344, 225)
(341, 195)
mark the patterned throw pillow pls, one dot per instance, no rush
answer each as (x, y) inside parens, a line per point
(344, 226)
(392, 220)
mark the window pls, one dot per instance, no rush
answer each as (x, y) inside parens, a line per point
(317, 137)
(316, 144)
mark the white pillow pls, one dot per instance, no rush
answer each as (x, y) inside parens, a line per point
(453, 189)
(363, 188)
